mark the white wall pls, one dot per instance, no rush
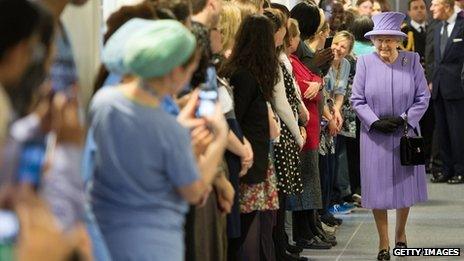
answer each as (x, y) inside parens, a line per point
(84, 28)
(109, 6)
(288, 3)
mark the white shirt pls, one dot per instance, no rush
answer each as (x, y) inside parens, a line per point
(451, 22)
(226, 101)
(417, 26)
(457, 9)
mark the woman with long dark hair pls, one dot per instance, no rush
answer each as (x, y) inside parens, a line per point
(286, 102)
(252, 69)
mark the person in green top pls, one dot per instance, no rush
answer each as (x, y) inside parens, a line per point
(360, 26)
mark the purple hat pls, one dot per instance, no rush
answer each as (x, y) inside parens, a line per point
(387, 23)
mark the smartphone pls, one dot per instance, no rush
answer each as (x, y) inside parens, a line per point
(208, 98)
(324, 124)
(9, 227)
(31, 163)
(328, 42)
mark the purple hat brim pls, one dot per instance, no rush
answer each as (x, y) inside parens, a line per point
(385, 32)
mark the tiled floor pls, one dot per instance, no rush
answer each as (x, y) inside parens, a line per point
(437, 223)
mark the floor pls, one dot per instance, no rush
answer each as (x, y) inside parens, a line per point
(439, 222)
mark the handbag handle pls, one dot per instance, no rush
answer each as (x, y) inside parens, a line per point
(405, 127)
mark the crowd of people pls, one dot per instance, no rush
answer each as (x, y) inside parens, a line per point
(223, 130)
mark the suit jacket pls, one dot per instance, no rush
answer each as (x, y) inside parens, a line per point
(418, 40)
(447, 69)
(429, 49)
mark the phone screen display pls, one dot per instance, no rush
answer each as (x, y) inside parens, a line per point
(328, 42)
(9, 227)
(31, 163)
(207, 105)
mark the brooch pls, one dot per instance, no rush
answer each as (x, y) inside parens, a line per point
(404, 61)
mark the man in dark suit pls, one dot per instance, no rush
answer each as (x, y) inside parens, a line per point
(448, 89)
(416, 28)
(435, 163)
(417, 31)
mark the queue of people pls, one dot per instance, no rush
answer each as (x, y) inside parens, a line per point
(218, 127)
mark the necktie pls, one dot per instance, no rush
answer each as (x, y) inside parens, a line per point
(444, 38)
(421, 29)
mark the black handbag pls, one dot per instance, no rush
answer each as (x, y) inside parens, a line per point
(411, 148)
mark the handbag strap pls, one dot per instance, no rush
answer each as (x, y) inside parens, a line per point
(405, 128)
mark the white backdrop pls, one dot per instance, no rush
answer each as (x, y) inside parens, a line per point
(84, 27)
(288, 3)
(109, 6)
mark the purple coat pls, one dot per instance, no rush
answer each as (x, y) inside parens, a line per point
(381, 90)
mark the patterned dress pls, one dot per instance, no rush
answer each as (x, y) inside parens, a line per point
(262, 196)
(349, 116)
(286, 150)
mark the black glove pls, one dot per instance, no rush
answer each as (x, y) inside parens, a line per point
(385, 126)
(396, 120)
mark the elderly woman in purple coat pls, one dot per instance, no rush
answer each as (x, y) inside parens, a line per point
(389, 87)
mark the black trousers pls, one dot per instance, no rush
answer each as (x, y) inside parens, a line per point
(267, 222)
(427, 125)
(328, 180)
(449, 124)
(435, 162)
(303, 224)
(278, 234)
(431, 142)
(353, 152)
(190, 235)
(256, 242)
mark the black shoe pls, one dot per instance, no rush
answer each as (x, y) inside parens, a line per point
(458, 179)
(331, 221)
(339, 221)
(313, 243)
(329, 239)
(326, 237)
(290, 257)
(294, 249)
(349, 199)
(384, 254)
(329, 224)
(401, 245)
(439, 177)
